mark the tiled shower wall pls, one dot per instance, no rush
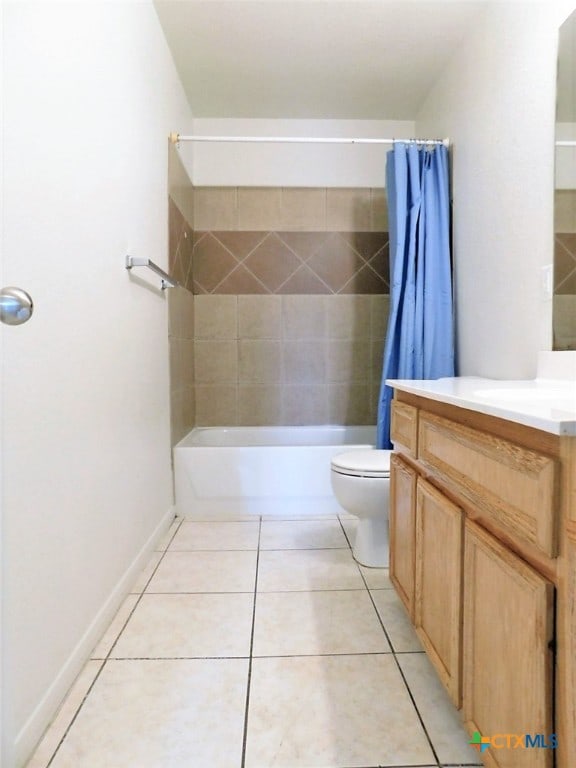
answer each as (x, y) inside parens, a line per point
(564, 305)
(565, 242)
(291, 360)
(180, 325)
(291, 305)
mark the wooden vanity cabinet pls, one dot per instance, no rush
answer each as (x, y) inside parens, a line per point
(483, 556)
(403, 530)
(508, 656)
(438, 583)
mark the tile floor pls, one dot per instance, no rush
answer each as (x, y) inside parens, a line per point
(257, 644)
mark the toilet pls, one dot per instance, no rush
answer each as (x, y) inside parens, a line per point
(361, 483)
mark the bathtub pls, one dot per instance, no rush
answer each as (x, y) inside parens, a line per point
(223, 472)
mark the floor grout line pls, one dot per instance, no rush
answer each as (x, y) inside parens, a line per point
(397, 655)
(400, 670)
(113, 645)
(246, 711)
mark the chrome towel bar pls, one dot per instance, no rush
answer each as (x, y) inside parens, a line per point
(167, 281)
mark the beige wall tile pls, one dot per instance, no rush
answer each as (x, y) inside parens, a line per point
(304, 362)
(187, 314)
(305, 404)
(259, 361)
(174, 315)
(374, 396)
(187, 352)
(349, 360)
(303, 317)
(176, 376)
(349, 404)
(259, 208)
(380, 307)
(348, 317)
(215, 362)
(303, 209)
(348, 210)
(259, 317)
(259, 405)
(377, 359)
(215, 208)
(215, 317)
(565, 210)
(378, 211)
(216, 405)
(177, 428)
(189, 409)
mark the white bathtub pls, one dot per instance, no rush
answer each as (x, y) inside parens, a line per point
(221, 472)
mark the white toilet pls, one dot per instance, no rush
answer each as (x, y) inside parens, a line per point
(361, 485)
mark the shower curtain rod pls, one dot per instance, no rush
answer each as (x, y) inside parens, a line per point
(175, 138)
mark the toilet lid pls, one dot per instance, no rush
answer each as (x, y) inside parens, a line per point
(373, 463)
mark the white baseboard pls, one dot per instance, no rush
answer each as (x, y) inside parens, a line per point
(40, 719)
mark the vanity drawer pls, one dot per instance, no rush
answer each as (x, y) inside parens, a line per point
(404, 427)
(512, 486)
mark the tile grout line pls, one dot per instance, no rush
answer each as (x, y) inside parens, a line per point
(393, 653)
(400, 670)
(245, 732)
(107, 657)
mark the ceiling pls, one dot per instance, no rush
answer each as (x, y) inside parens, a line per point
(312, 59)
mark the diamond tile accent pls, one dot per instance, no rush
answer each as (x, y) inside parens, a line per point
(304, 244)
(565, 263)
(336, 262)
(304, 280)
(240, 243)
(365, 281)
(241, 281)
(283, 262)
(272, 262)
(212, 262)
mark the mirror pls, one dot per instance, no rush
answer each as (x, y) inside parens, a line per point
(564, 298)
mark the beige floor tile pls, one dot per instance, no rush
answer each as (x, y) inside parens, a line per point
(396, 622)
(439, 715)
(57, 729)
(377, 578)
(205, 572)
(144, 577)
(167, 538)
(180, 626)
(350, 524)
(109, 638)
(302, 534)
(328, 711)
(215, 536)
(300, 569)
(155, 714)
(309, 623)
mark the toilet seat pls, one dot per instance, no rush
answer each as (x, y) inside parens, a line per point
(373, 463)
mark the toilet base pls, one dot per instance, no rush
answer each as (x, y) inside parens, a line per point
(371, 546)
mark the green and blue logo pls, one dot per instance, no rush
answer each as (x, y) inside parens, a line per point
(513, 741)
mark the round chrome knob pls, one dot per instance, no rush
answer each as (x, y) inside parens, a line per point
(16, 306)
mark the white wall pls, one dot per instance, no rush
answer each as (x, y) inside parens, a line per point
(496, 101)
(90, 95)
(291, 165)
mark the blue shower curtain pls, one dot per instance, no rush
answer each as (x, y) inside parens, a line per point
(420, 335)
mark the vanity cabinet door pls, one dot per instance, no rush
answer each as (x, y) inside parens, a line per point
(507, 655)
(402, 530)
(438, 589)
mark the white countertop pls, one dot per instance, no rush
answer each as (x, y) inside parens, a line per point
(546, 404)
